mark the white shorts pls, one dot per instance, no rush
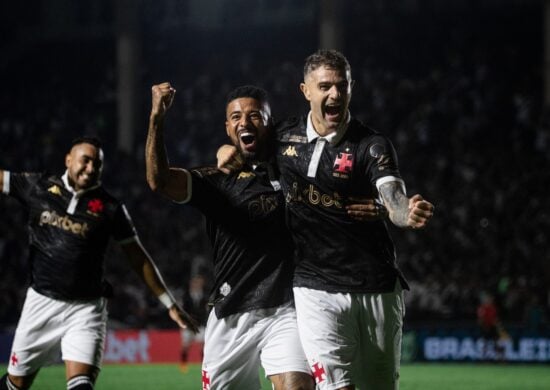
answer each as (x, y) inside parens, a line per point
(235, 347)
(48, 326)
(351, 338)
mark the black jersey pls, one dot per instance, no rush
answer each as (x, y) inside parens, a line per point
(252, 249)
(68, 234)
(333, 252)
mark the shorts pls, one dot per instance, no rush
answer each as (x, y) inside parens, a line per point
(351, 338)
(48, 326)
(236, 345)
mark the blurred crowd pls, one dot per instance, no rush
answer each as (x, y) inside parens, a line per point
(466, 120)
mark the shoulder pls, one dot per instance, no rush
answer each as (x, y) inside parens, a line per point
(291, 123)
(366, 135)
(293, 126)
(100, 199)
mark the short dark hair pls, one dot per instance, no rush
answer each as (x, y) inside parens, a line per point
(87, 139)
(250, 91)
(332, 59)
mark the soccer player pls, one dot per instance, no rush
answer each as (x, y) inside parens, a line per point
(347, 286)
(71, 219)
(253, 320)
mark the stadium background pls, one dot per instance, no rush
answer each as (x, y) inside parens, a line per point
(459, 86)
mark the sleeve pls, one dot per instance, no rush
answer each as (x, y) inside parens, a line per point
(382, 166)
(208, 191)
(20, 185)
(123, 227)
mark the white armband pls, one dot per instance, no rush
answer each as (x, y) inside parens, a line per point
(166, 299)
(6, 180)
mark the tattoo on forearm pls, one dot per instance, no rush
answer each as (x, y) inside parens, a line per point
(396, 202)
(157, 166)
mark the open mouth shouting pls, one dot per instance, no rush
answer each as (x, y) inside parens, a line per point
(333, 112)
(248, 140)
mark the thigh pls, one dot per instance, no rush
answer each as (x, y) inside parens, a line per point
(378, 364)
(231, 359)
(329, 336)
(280, 347)
(38, 335)
(84, 339)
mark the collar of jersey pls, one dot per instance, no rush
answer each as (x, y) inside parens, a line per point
(333, 138)
(68, 187)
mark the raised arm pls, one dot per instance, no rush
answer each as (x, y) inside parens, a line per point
(171, 182)
(414, 212)
(143, 265)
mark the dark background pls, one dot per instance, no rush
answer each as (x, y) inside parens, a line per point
(457, 85)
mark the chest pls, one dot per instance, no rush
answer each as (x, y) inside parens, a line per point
(333, 168)
(54, 209)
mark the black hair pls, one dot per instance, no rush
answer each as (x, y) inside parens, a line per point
(87, 139)
(332, 59)
(250, 91)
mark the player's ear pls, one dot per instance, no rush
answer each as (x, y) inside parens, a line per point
(305, 91)
(67, 160)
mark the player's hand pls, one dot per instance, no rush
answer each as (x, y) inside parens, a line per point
(420, 212)
(229, 159)
(162, 98)
(183, 319)
(365, 209)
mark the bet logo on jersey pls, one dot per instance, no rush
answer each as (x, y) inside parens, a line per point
(65, 223)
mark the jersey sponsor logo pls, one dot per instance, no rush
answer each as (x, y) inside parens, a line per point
(383, 162)
(298, 139)
(383, 159)
(290, 151)
(262, 206)
(55, 189)
(95, 207)
(343, 163)
(301, 139)
(313, 196)
(377, 150)
(318, 372)
(225, 289)
(63, 222)
(245, 175)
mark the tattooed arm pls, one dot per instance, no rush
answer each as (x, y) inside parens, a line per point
(171, 182)
(414, 212)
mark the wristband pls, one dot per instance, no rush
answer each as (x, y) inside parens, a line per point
(166, 299)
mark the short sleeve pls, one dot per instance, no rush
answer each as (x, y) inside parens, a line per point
(123, 228)
(20, 185)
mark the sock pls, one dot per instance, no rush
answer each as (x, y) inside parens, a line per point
(80, 382)
(5, 383)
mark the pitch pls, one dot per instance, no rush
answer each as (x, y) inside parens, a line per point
(478, 376)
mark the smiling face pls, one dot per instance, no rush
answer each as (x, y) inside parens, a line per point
(328, 91)
(84, 166)
(247, 124)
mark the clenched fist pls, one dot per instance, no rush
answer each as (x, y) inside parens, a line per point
(163, 95)
(420, 212)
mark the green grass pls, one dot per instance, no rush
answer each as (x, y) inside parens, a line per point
(413, 377)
